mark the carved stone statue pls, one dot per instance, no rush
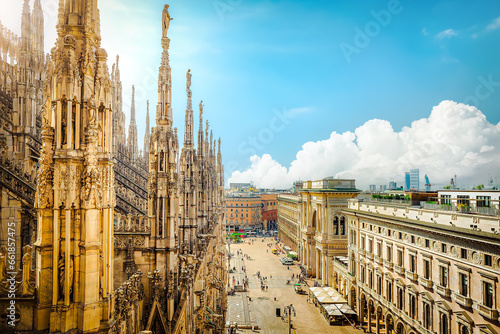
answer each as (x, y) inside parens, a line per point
(60, 275)
(166, 20)
(188, 80)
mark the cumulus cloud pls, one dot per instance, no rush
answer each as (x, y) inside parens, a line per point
(454, 139)
(448, 33)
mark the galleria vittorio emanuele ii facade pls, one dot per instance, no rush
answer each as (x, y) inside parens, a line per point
(97, 236)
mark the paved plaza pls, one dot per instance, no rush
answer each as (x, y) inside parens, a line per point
(257, 307)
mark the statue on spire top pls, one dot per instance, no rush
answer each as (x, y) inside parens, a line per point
(166, 20)
(188, 80)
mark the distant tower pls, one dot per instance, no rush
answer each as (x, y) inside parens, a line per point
(132, 131)
(75, 196)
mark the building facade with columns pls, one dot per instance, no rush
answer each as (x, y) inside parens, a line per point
(288, 220)
(415, 269)
(312, 223)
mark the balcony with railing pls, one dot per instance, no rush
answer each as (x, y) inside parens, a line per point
(443, 291)
(487, 312)
(399, 269)
(472, 205)
(462, 300)
(411, 275)
(425, 282)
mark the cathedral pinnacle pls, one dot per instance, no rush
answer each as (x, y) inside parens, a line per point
(188, 126)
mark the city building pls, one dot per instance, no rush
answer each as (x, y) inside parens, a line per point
(269, 211)
(425, 268)
(414, 179)
(373, 188)
(108, 239)
(321, 231)
(407, 181)
(244, 214)
(289, 206)
(392, 185)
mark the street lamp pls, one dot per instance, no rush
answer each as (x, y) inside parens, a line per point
(287, 311)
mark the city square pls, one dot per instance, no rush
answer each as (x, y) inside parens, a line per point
(256, 307)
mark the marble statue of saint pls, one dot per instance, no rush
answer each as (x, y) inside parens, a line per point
(166, 20)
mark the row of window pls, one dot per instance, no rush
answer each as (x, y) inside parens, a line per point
(487, 258)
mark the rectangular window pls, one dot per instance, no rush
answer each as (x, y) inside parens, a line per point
(379, 249)
(445, 199)
(443, 276)
(463, 200)
(487, 260)
(483, 201)
(412, 239)
(427, 243)
(389, 253)
(413, 264)
(389, 291)
(400, 258)
(362, 243)
(463, 253)
(464, 284)
(389, 233)
(443, 248)
(370, 246)
(488, 294)
(427, 269)
(400, 236)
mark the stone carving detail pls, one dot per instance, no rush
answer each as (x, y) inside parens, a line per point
(476, 258)
(454, 251)
(91, 178)
(44, 194)
(122, 241)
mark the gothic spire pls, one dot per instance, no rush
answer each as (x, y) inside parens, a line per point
(146, 135)
(132, 130)
(164, 109)
(200, 132)
(132, 106)
(188, 126)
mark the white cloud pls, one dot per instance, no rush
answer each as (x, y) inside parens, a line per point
(454, 139)
(424, 31)
(448, 33)
(493, 25)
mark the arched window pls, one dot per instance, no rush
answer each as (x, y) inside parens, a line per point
(464, 329)
(336, 226)
(342, 226)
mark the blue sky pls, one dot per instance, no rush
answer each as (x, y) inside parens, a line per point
(252, 60)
